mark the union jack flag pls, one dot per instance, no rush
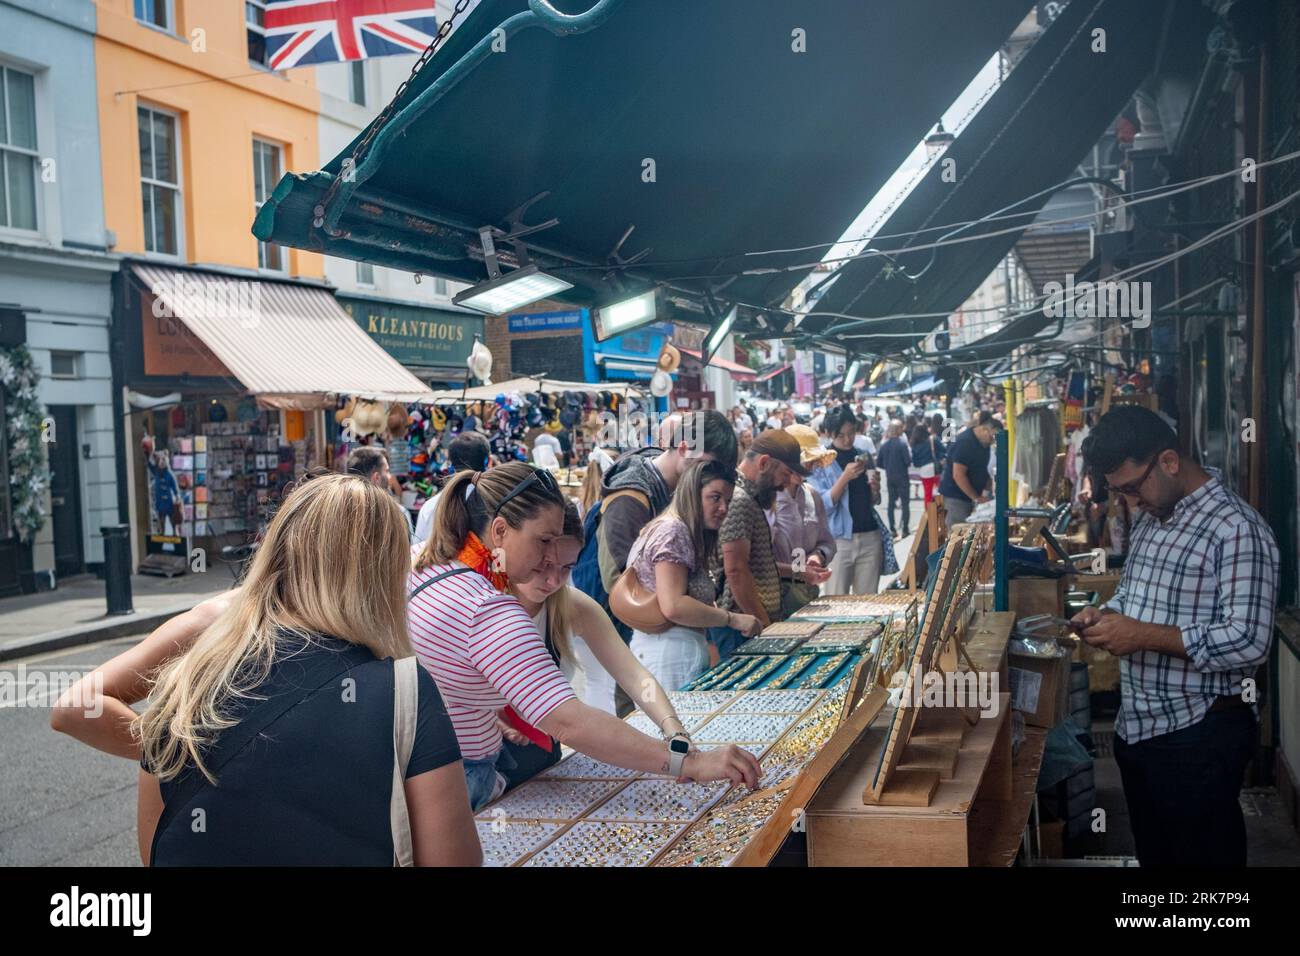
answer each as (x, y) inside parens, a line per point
(305, 32)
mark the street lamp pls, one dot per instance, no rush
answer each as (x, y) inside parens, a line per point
(938, 141)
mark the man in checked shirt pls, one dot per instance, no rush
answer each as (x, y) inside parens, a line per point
(1191, 621)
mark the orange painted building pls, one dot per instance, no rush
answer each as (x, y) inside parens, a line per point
(194, 133)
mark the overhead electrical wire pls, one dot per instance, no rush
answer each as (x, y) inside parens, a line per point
(1131, 272)
(1151, 194)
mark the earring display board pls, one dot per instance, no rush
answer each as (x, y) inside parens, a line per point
(583, 812)
(770, 645)
(699, 702)
(792, 629)
(644, 724)
(851, 608)
(798, 671)
(843, 637)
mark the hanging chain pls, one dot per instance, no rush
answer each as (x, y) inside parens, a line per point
(350, 164)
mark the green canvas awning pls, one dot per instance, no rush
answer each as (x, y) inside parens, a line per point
(708, 128)
(1028, 137)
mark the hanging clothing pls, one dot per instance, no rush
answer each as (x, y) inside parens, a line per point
(1038, 439)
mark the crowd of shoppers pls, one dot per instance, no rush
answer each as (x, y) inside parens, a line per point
(501, 594)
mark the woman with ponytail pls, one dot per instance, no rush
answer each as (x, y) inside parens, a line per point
(496, 532)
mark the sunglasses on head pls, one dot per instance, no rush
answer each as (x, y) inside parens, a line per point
(539, 476)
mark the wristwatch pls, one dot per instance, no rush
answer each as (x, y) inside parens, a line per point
(678, 747)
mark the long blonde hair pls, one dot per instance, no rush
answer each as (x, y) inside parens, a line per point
(334, 562)
(592, 485)
(559, 606)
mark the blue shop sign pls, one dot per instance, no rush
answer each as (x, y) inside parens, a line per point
(547, 321)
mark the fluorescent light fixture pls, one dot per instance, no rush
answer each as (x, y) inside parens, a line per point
(514, 290)
(851, 376)
(719, 334)
(624, 316)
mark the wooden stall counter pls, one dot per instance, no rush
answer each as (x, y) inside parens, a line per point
(975, 817)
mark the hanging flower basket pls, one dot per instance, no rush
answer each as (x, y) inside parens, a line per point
(29, 475)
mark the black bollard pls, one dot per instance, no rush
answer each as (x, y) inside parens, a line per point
(117, 568)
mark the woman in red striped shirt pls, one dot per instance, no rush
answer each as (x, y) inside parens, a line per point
(494, 529)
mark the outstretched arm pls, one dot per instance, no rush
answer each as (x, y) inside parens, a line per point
(97, 709)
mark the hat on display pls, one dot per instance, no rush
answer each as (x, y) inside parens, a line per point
(480, 362)
(661, 383)
(369, 418)
(669, 358)
(397, 419)
(570, 416)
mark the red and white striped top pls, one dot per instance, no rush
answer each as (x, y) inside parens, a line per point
(484, 652)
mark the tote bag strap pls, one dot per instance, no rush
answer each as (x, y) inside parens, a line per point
(406, 702)
(435, 579)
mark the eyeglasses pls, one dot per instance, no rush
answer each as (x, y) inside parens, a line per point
(539, 476)
(1133, 487)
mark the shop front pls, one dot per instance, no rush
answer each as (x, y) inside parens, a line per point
(433, 344)
(227, 382)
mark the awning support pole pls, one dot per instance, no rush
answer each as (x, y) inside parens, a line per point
(1001, 530)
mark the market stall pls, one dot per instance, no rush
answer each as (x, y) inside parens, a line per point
(833, 704)
(229, 382)
(511, 415)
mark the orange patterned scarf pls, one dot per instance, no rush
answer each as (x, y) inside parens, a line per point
(474, 554)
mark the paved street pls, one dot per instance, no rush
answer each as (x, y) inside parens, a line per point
(62, 803)
(74, 612)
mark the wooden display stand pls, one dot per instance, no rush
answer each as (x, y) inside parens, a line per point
(927, 539)
(928, 813)
(956, 796)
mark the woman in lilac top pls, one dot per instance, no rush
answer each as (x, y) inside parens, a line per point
(672, 558)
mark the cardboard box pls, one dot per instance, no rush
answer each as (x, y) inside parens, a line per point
(1030, 596)
(1040, 688)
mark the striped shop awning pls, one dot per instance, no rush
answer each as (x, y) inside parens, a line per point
(289, 344)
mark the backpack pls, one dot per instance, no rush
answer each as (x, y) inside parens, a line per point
(586, 573)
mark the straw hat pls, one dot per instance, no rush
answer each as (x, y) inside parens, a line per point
(811, 452)
(669, 359)
(369, 418)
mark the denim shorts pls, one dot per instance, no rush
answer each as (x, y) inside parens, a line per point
(726, 640)
(484, 778)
